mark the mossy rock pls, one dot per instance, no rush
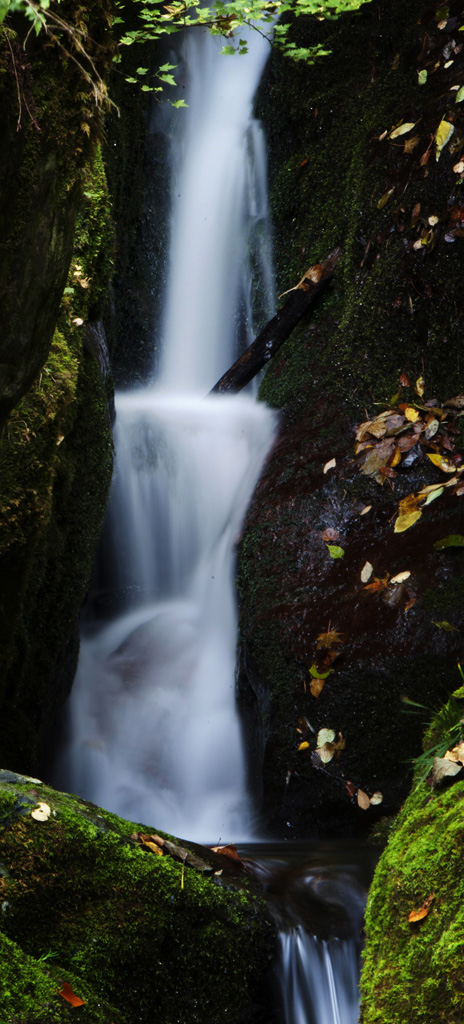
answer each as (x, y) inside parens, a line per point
(392, 307)
(137, 936)
(413, 970)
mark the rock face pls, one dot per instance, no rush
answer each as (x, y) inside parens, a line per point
(135, 935)
(48, 126)
(55, 448)
(413, 969)
(393, 204)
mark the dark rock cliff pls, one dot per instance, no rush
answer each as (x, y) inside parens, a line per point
(393, 203)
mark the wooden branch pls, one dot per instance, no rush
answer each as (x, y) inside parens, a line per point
(273, 335)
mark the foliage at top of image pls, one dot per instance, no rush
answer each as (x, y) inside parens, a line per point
(158, 18)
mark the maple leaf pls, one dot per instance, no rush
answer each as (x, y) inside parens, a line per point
(377, 584)
(327, 640)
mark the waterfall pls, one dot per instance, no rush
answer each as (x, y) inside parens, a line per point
(319, 978)
(154, 730)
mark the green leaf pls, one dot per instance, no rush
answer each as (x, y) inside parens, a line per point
(432, 495)
(460, 95)
(422, 76)
(228, 50)
(455, 540)
(179, 103)
(131, 80)
(446, 626)
(314, 672)
(336, 552)
(142, 71)
(168, 79)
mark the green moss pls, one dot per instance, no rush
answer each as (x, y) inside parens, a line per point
(387, 306)
(413, 971)
(55, 447)
(126, 928)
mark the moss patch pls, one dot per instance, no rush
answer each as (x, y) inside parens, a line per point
(132, 942)
(414, 971)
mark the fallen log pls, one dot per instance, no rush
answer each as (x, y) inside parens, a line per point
(273, 335)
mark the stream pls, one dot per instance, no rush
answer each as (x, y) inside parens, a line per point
(154, 731)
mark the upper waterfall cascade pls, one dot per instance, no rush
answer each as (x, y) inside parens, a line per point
(154, 730)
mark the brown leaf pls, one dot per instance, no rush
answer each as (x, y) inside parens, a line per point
(302, 726)
(349, 788)
(418, 915)
(316, 686)
(377, 584)
(229, 851)
(404, 380)
(67, 993)
(363, 800)
(407, 441)
(330, 534)
(326, 640)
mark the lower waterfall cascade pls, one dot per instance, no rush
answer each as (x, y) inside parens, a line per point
(154, 731)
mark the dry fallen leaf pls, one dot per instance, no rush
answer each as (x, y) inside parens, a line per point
(366, 572)
(363, 800)
(404, 522)
(400, 577)
(443, 770)
(411, 413)
(376, 798)
(316, 686)
(418, 915)
(329, 465)
(366, 508)
(325, 736)
(41, 813)
(67, 993)
(402, 129)
(327, 640)
(304, 745)
(330, 534)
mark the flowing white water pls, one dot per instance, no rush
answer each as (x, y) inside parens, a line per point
(155, 733)
(319, 979)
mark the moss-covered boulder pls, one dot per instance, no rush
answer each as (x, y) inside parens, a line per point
(393, 203)
(49, 123)
(55, 470)
(413, 969)
(137, 936)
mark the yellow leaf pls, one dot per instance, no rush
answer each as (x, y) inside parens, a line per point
(41, 813)
(384, 199)
(444, 132)
(442, 463)
(153, 847)
(402, 129)
(396, 457)
(411, 414)
(304, 745)
(405, 521)
(420, 382)
(400, 577)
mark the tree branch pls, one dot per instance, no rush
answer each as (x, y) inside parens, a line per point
(280, 327)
